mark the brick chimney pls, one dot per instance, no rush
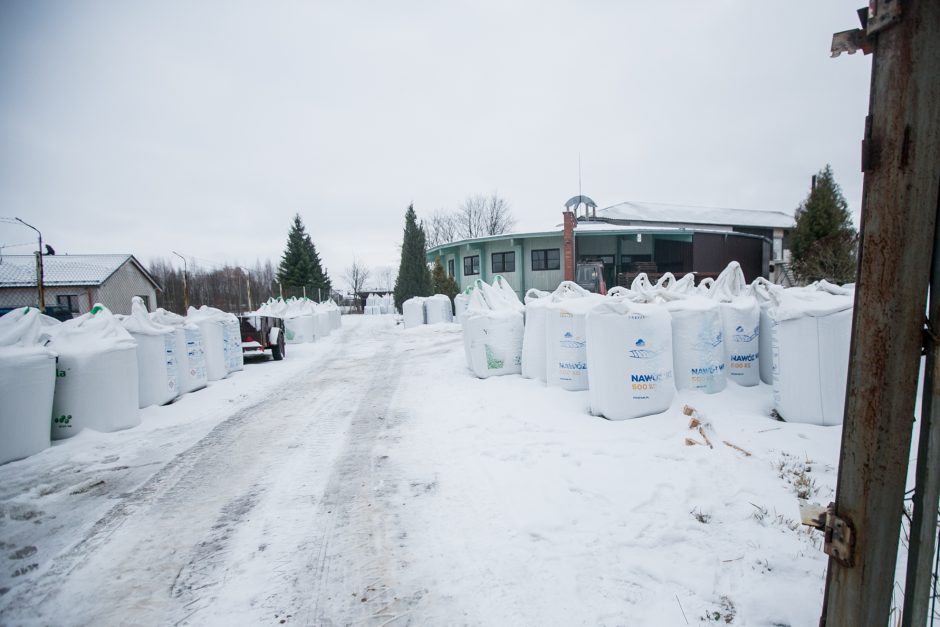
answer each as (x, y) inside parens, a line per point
(570, 224)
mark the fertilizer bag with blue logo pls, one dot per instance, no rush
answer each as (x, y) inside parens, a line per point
(629, 355)
(697, 343)
(157, 356)
(566, 338)
(740, 321)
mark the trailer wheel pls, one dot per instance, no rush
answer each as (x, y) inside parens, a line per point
(277, 350)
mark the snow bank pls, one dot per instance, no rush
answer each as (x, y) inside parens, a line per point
(191, 356)
(96, 382)
(27, 384)
(157, 363)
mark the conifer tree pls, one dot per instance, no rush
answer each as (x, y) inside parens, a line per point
(823, 244)
(414, 279)
(441, 282)
(296, 267)
(319, 277)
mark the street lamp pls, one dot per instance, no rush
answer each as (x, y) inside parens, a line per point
(39, 271)
(248, 282)
(185, 291)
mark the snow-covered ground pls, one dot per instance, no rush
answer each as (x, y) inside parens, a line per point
(371, 479)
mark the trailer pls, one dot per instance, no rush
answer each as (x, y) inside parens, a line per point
(261, 334)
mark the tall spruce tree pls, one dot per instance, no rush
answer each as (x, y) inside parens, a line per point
(320, 279)
(441, 282)
(823, 244)
(296, 267)
(414, 279)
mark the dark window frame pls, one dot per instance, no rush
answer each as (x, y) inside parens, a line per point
(507, 261)
(451, 270)
(541, 260)
(471, 266)
(70, 301)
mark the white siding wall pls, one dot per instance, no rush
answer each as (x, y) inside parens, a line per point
(546, 280)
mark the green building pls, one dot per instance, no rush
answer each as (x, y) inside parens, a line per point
(627, 238)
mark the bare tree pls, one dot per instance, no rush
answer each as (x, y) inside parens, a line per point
(497, 215)
(385, 277)
(441, 228)
(481, 215)
(356, 276)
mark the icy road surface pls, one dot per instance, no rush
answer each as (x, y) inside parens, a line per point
(369, 479)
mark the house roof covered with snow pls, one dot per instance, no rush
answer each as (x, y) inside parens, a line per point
(64, 270)
(634, 211)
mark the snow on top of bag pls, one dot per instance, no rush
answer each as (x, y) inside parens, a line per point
(25, 328)
(96, 331)
(140, 321)
(796, 302)
(209, 313)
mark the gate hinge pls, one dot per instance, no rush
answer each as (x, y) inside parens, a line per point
(879, 15)
(839, 533)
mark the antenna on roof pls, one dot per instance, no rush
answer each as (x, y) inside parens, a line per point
(579, 173)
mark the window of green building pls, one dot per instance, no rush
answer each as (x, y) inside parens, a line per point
(546, 259)
(504, 262)
(471, 265)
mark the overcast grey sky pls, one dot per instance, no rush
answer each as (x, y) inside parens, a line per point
(202, 127)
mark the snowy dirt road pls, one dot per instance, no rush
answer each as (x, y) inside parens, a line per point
(370, 479)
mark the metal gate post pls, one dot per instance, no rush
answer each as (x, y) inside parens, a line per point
(901, 160)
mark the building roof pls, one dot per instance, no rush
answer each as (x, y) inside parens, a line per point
(64, 270)
(687, 214)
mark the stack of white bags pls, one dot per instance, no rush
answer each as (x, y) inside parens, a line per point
(304, 319)
(633, 348)
(98, 370)
(420, 310)
(378, 305)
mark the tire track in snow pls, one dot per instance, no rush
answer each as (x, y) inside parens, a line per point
(139, 548)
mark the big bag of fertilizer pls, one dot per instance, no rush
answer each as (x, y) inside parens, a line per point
(221, 333)
(96, 378)
(566, 337)
(629, 355)
(533, 342)
(438, 309)
(740, 322)
(300, 324)
(191, 356)
(460, 304)
(413, 312)
(27, 384)
(509, 296)
(697, 343)
(157, 361)
(811, 341)
(493, 333)
(767, 294)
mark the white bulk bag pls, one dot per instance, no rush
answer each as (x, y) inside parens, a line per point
(740, 322)
(324, 326)
(629, 355)
(413, 312)
(533, 343)
(212, 329)
(767, 295)
(27, 384)
(697, 346)
(157, 361)
(811, 341)
(300, 328)
(96, 379)
(508, 294)
(191, 356)
(492, 336)
(566, 338)
(438, 309)
(460, 304)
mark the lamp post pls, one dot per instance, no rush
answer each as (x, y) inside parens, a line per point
(280, 288)
(40, 288)
(248, 283)
(185, 290)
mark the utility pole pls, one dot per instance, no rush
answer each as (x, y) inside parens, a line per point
(40, 288)
(901, 162)
(185, 288)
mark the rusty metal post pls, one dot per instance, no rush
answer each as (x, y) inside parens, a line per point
(901, 160)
